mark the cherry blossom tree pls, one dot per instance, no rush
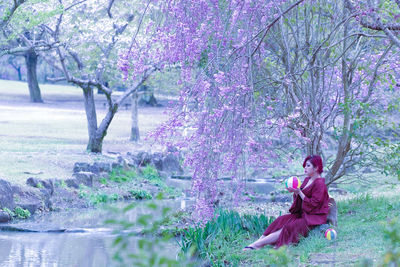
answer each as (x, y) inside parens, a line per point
(268, 81)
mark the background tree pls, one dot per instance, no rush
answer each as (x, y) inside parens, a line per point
(23, 37)
(328, 86)
(383, 16)
(91, 36)
(7, 11)
(13, 61)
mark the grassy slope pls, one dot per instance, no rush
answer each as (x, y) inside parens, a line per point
(362, 221)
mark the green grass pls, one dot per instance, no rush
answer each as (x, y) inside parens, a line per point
(150, 174)
(120, 175)
(95, 197)
(361, 231)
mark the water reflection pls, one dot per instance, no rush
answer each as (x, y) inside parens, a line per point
(45, 249)
(89, 242)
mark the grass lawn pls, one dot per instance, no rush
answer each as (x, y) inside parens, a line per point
(44, 140)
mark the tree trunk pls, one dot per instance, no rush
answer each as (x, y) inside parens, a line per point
(344, 144)
(95, 143)
(31, 64)
(19, 73)
(135, 136)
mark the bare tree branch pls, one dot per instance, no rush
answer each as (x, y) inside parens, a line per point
(22, 50)
(59, 79)
(139, 26)
(377, 25)
(268, 27)
(110, 4)
(74, 4)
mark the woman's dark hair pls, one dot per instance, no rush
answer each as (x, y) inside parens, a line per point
(316, 161)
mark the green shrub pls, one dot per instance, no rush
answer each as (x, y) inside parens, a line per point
(21, 213)
(103, 181)
(94, 197)
(62, 184)
(256, 224)
(140, 194)
(120, 175)
(150, 173)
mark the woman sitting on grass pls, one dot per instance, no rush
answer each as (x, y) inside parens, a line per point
(309, 209)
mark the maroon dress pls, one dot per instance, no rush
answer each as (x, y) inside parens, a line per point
(304, 214)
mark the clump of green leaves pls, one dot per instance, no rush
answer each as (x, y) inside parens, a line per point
(18, 213)
(21, 213)
(140, 194)
(150, 173)
(120, 175)
(95, 197)
(392, 233)
(61, 184)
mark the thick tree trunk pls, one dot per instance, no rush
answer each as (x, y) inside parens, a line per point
(135, 136)
(31, 66)
(95, 143)
(97, 133)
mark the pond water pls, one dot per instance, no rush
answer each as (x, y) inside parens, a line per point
(76, 238)
(80, 237)
(259, 185)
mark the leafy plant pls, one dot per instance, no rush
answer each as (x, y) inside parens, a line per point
(140, 194)
(120, 175)
(149, 247)
(392, 233)
(150, 173)
(103, 181)
(222, 230)
(21, 213)
(95, 197)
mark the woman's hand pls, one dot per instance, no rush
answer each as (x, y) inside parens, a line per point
(297, 192)
(294, 190)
